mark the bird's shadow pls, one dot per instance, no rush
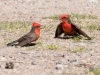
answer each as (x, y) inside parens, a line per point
(71, 37)
(28, 45)
(64, 37)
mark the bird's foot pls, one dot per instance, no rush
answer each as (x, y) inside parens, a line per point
(65, 37)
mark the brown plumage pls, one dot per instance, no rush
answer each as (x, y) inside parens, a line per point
(33, 35)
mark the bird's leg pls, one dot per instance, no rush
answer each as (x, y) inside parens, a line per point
(75, 35)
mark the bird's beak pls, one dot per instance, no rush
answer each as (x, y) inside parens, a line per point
(41, 26)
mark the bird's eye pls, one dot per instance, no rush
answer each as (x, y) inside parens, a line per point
(37, 26)
(64, 18)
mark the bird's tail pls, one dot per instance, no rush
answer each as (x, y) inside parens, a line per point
(81, 32)
(12, 43)
(84, 34)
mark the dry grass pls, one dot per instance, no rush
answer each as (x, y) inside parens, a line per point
(94, 71)
(78, 50)
(15, 30)
(11, 31)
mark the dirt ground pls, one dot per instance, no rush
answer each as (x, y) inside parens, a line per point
(50, 56)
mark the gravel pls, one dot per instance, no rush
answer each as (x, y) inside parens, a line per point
(46, 61)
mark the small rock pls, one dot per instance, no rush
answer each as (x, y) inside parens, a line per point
(19, 53)
(59, 66)
(32, 63)
(9, 65)
(2, 58)
(95, 1)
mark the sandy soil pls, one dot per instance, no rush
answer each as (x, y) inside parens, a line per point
(41, 60)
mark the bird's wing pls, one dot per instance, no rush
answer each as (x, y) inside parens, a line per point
(26, 39)
(30, 36)
(23, 42)
(79, 31)
(59, 30)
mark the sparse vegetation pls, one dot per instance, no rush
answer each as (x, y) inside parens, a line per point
(49, 28)
(92, 16)
(92, 26)
(95, 71)
(50, 56)
(78, 49)
(74, 16)
(77, 38)
(13, 26)
(54, 17)
(39, 43)
(52, 47)
(82, 16)
(78, 16)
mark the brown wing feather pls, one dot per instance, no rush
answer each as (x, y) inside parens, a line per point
(59, 30)
(27, 39)
(81, 32)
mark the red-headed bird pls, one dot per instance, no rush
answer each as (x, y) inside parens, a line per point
(68, 28)
(33, 35)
